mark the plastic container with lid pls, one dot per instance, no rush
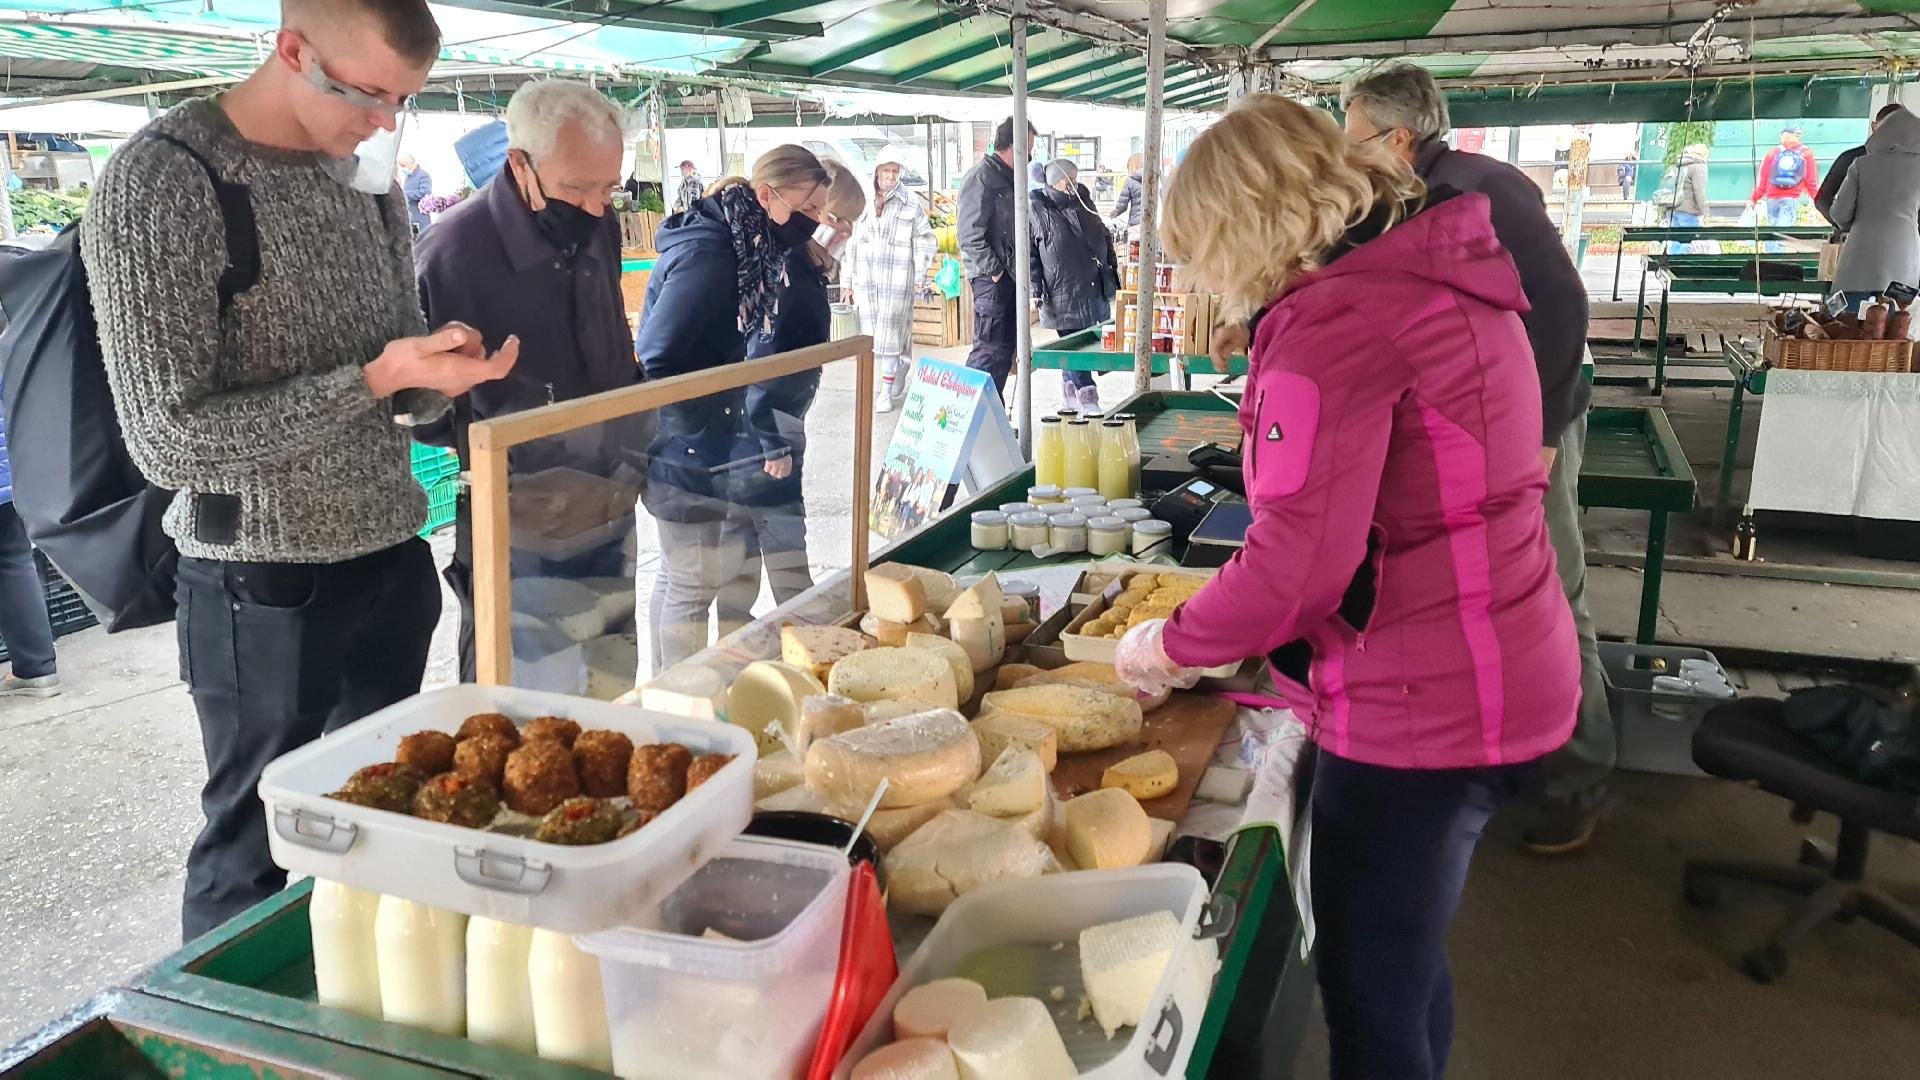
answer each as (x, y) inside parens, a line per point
(1054, 510)
(990, 531)
(1012, 508)
(1152, 537)
(1067, 533)
(1069, 493)
(734, 974)
(1108, 536)
(1016, 589)
(1087, 500)
(1050, 452)
(1132, 515)
(1045, 494)
(1029, 530)
(1125, 504)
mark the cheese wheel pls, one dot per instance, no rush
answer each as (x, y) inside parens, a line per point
(1143, 776)
(822, 715)
(955, 656)
(895, 593)
(909, 1059)
(895, 634)
(765, 699)
(1009, 676)
(1015, 785)
(798, 797)
(984, 638)
(1098, 676)
(1086, 719)
(1121, 964)
(775, 773)
(955, 853)
(886, 674)
(930, 1010)
(997, 731)
(1011, 1037)
(922, 758)
(1107, 829)
(889, 827)
(818, 648)
(881, 711)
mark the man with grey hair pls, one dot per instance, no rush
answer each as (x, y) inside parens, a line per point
(535, 255)
(1073, 269)
(1402, 109)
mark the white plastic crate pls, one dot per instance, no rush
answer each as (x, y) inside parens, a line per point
(682, 1006)
(509, 878)
(1023, 921)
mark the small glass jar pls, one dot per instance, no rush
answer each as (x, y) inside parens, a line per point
(1087, 500)
(1132, 515)
(1067, 533)
(1044, 494)
(1029, 530)
(990, 530)
(1107, 536)
(1013, 508)
(1152, 537)
(1123, 504)
(1069, 493)
(1016, 589)
(1054, 510)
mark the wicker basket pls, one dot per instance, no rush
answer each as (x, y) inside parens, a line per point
(1794, 354)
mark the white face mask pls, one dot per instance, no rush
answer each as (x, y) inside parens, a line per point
(829, 239)
(370, 169)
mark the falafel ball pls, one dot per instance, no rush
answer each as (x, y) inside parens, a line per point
(389, 785)
(483, 757)
(602, 758)
(489, 723)
(579, 821)
(539, 777)
(429, 751)
(703, 768)
(452, 799)
(558, 728)
(657, 776)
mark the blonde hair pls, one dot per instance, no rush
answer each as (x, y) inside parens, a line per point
(783, 168)
(847, 198)
(1264, 194)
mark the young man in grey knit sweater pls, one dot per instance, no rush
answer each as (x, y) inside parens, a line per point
(306, 600)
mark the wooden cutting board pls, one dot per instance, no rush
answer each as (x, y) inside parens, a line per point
(1188, 727)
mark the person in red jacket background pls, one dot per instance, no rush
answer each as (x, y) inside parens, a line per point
(1788, 172)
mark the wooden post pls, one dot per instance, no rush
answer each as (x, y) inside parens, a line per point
(492, 567)
(862, 478)
(1143, 321)
(931, 180)
(720, 126)
(660, 141)
(1022, 268)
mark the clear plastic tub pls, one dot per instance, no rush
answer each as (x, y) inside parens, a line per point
(1027, 933)
(510, 878)
(684, 1006)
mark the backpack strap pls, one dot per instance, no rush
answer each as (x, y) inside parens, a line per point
(236, 218)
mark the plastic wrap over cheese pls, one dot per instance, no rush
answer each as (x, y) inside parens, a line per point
(926, 756)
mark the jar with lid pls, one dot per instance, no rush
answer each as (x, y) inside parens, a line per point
(1067, 532)
(1054, 510)
(1029, 530)
(1043, 494)
(990, 530)
(1083, 464)
(1152, 537)
(1107, 536)
(1012, 508)
(1120, 504)
(1132, 515)
(1050, 452)
(1071, 493)
(1087, 500)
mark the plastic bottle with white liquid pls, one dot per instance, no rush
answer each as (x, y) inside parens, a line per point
(499, 995)
(346, 971)
(423, 969)
(569, 1007)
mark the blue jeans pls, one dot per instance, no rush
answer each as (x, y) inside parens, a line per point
(1680, 219)
(1781, 212)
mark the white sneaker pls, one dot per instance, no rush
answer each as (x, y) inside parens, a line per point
(45, 686)
(882, 401)
(1089, 401)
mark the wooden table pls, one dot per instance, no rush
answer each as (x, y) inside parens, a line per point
(1633, 461)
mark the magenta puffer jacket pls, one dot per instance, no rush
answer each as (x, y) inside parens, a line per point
(1397, 573)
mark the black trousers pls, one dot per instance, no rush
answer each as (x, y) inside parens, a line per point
(994, 310)
(1390, 852)
(24, 623)
(276, 655)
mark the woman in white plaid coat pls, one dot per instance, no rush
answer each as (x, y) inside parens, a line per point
(892, 246)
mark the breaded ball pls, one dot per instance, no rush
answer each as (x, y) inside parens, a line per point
(703, 768)
(483, 757)
(489, 723)
(386, 786)
(579, 821)
(539, 777)
(453, 799)
(557, 728)
(657, 776)
(429, 751)
(601, 757)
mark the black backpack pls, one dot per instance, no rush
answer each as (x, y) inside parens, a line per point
(84, 502)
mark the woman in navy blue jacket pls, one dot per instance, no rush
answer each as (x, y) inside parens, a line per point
(722, 266)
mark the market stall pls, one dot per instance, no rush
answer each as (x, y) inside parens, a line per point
(1733, 275)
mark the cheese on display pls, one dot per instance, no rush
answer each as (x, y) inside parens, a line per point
(798, 797)
(1121, 964)
(910, 1059)
(955, 853)
(765, 698)
(886, 674)
(880, 711)
(895, 593)
(921, 757)
(978, 600)
(1098, 676)
(955, 656)
(1011, 1037)
(822, 715)
(889, 827)
(1107, 829)
(1012, 675)
(940, 586)
(776, 773)
(1143, 776)
(1084, 718)
(1015, 785)
(818, 648)
(694, 691)
(997, 731)
(930, 1010)
(983, 638)
(893, 633)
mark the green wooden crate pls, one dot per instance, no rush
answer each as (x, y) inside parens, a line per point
(442, 496)
(1634, 461)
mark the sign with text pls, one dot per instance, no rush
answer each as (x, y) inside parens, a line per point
(947, 408)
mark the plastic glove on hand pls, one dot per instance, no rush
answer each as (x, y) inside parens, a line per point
(1142, 662)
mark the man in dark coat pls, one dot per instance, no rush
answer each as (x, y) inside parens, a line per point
(985, 215)
(1074, 276)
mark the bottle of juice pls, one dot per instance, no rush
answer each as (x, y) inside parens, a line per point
(346, 971)
(1083, 464)
(499, 997)
(1050, 454)
(1116, 472)
(423, 965)
(1131, 438)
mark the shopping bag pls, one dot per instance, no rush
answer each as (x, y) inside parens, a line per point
(948, 279)
(1748, 218)
(1829, 260)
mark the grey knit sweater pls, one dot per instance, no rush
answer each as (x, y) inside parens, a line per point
(268, 402)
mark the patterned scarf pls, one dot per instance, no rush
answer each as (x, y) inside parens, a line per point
(762, 263)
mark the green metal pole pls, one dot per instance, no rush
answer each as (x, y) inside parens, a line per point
(1619, 251)
(1660, 346)
(1735, 412)
(1650, 584)
(1640, 309)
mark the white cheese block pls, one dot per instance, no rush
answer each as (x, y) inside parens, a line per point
(1015, 785)
(895, 593)
(978, 600)
(889, 827)
(955, 656)
(1223, 784)
(1121, 964)
(1099, 676)
(922, 757)
(822, 715)
(955, 853)
(984, 638)
(1107, 829)
(1008, 676)
(909, 1059)
(884, 674)
(1010, 1038)
(1143, 776)
(893, 633)
(800, 797)
(1039, 822)
(775, 773)
(694, 691)
(765, 699)
(878, 712)
(1162, 832)
(817, 648)
(1086, 719)
(930, 1010)
(997, 731)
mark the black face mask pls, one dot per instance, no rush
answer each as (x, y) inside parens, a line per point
(797, 230)
(568, 226)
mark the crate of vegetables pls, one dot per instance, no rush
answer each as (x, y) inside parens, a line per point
(539, 809)
(1818, 341)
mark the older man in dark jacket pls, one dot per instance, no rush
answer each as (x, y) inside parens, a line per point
(1402, 108)
(536, 256)
(985, 215)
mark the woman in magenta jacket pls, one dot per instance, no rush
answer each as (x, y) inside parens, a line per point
(1397, 573)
